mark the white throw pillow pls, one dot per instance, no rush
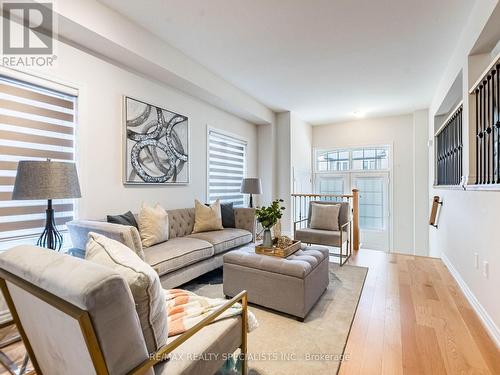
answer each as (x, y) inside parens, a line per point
(143, 282)
(153, 225)
(325, 216)
(207, 218)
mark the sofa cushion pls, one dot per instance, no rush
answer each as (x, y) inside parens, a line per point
(177, 253)
(144, 284)
(181, 222)
(205, 352)
(320, 237)
(226, 239)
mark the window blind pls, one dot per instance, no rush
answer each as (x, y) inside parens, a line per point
(35, 124)
(226, 168)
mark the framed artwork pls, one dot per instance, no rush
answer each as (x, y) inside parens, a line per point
(156, 144)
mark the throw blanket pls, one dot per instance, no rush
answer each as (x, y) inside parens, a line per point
(185, 309)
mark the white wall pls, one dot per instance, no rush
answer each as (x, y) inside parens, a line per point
(99, 141)
(468, 222)
(398, 132)
(301, 151)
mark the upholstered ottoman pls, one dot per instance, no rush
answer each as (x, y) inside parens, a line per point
(291, 285)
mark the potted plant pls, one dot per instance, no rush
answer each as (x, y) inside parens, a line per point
(268, 217)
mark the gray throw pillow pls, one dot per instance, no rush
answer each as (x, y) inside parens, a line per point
(325, 216)
(227, 212)
(127, 218)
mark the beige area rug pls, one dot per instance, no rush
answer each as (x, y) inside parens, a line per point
(283, 345)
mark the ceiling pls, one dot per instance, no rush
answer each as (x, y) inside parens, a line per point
(321, 59)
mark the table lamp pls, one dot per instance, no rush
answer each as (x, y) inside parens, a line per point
(47, 180)
(251, 186)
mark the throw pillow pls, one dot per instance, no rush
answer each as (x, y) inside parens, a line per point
(153, 225)
(143, 281)
(207, 218)
(127, 218)
(325, 216)
(227, 213)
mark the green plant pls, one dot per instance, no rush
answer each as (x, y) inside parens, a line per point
(269, 216)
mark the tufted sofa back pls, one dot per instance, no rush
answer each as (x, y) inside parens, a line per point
(181, 222)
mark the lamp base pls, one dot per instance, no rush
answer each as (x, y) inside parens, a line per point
(50, 237)
(251, 201)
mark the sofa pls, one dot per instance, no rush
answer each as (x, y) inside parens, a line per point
(185, 255)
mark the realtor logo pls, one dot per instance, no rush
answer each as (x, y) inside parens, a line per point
(27, 34)
(27, 28)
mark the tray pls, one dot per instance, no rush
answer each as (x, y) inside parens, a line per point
(277, 252)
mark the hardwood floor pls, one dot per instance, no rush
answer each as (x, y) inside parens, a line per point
(412, 318)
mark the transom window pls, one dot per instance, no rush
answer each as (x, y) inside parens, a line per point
(355, 159)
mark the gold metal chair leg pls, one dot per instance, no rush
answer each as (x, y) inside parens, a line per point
(244, 332)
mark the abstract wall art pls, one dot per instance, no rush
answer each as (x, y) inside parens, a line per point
(156, 144)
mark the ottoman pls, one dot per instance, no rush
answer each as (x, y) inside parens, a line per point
(291, 285)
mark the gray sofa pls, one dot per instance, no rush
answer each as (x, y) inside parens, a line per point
(184, 256)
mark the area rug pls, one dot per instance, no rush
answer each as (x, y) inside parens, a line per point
(283, 345)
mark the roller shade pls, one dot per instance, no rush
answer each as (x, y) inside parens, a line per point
(226, 168)
(35, 124)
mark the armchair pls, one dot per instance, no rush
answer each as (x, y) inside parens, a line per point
(337, 238)
(78, 317)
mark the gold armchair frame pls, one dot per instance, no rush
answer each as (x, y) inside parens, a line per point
(88, 332)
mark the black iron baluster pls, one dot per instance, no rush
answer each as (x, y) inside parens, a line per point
(480, 134)
(477, 136)
(460, 145)
(498, 121)
(494, 133)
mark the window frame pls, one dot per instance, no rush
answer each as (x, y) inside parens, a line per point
(50, 84)
(350, 149)
(238, 138)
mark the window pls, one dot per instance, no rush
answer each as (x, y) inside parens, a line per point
(35, 124)
(333, 161)
(372, 193)
(357, 159)
(370, 159)
(226, 168)
(449, 150)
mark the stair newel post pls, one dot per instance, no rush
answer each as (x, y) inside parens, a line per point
(355, 219)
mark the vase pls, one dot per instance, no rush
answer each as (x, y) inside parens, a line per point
(268, 239)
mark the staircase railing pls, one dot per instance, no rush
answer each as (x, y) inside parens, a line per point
(301, 202)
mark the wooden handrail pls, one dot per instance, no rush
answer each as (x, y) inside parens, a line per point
(355, 210)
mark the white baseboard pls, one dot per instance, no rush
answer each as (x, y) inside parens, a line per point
(488, 323)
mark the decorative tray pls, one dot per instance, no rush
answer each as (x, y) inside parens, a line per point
(278, 252)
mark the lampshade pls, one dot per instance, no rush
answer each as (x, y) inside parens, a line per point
(46, 180)
(251, 186)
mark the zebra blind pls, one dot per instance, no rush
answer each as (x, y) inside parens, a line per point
(487, 127)
(449, 149)
(35, 124)
(226, 168)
